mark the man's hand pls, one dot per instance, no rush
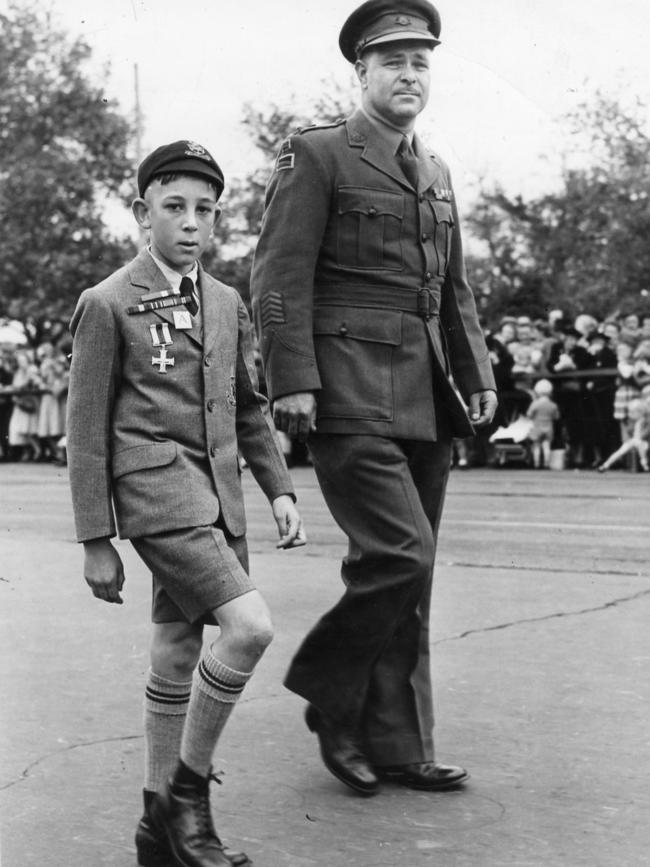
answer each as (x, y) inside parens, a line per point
(292, 534)
(103, 570)
(482, 406)
(295, 414)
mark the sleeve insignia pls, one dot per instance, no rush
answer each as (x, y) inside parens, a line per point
(286, 158)
(272, 309)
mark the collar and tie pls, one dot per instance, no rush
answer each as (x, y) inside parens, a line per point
(407, 161)
(190, 295)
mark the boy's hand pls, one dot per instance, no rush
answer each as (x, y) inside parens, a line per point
(103, 570)
(292, 534)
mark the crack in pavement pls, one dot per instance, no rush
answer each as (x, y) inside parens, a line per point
(30, 767)
(559, 569)
(611, 604)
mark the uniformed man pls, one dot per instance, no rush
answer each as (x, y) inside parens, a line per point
(371, 345)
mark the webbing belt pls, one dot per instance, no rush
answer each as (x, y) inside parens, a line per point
(424, 301)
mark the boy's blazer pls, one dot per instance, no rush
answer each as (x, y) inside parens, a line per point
(159, 440)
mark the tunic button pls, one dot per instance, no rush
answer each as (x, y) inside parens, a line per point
(211, 405)
(213, 451)
(372, 211)
(425, 237)
(428, 275)
(206, 361)
(343, 330)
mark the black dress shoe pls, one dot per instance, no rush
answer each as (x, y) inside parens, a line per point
(428, 776)
(181, 815)
(341, 753)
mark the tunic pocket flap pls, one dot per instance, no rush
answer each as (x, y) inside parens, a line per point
(359, 324)
(144, 457)
(371, 203)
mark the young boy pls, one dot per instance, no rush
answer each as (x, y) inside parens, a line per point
(163, 395)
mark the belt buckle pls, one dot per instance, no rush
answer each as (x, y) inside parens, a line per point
(425, 303)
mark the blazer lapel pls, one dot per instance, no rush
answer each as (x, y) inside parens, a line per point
(210, 307)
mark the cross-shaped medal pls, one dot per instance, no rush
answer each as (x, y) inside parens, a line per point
(161, 341)
(163, 361)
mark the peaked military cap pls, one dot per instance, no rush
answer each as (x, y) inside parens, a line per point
(180, 156)
(379, 21)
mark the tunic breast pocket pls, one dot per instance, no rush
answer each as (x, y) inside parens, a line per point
(443, 226)
(369, 229)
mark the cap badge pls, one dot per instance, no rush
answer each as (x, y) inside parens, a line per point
(193, 149)
(402, 20)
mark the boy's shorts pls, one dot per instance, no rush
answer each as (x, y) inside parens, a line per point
(194, 571)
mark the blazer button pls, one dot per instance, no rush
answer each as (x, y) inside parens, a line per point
(207, 361)
(213, 451)
(211, 405)
(372, 211)
(425, 237)
(343, 330)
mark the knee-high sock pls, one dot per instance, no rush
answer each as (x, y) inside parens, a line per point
(215, 689)
(165, 708)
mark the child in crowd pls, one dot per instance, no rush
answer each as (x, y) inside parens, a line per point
(627, 390)
(639, 413)
(163, 392)
(23, 424)
(544, 413)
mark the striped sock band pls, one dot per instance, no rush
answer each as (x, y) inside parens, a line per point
(165, 709)
(215, 689)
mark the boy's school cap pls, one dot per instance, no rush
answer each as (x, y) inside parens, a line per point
(180, 156)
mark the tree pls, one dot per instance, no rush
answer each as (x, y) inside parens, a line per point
(585, 247)
(64, 151)
(243, 205)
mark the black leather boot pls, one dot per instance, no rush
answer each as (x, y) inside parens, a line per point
(180, 822)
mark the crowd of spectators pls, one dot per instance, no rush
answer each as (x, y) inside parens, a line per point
(33, 393)
(596, 373)
(584, 386)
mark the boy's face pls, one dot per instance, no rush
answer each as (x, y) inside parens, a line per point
(180, 217)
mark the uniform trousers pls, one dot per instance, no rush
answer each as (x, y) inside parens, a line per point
(366, 662)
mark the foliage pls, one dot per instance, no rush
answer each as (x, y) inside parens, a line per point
(583, 248)
(63, 155)
(243, 205)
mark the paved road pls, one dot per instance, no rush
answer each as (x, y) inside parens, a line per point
(541, 656)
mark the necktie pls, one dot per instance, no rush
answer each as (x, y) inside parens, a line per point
(408, 163)
(189, 291)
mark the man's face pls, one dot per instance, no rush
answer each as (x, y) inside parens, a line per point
(180, 216)
(395, 81)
